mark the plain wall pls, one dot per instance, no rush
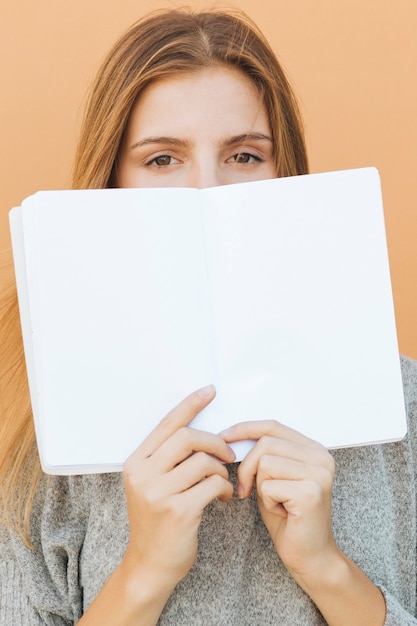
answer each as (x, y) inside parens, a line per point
(352, 62)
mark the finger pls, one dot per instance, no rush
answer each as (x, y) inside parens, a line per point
(256, 429)
(186, 441)
(215, 486)
(272, 468)
(196, 468)
(287, 449)
(276, 467)
(180, 416)
(293, 456)
(157, 493)
(298, 498)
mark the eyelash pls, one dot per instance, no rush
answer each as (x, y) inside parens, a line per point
(153, 162)
(246, 154)
(235, 157)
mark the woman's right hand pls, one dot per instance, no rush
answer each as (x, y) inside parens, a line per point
(169, 481)
(173, 475)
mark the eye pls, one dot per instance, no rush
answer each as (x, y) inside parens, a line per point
(243, 158)
(163, 160)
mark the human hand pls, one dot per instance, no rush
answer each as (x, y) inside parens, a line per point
(169, 480)
(293, 477)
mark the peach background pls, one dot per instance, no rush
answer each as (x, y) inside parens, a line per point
(353, 64)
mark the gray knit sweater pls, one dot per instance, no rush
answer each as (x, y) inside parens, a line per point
(80, 531)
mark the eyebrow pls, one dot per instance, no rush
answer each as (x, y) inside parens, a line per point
(231, 141)
(176, 141)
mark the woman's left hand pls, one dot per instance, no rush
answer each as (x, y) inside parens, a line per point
(293, 477)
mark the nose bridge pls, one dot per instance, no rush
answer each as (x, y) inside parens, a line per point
(204, 172)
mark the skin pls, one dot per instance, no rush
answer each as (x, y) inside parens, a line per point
(201, 130)
(197, 130)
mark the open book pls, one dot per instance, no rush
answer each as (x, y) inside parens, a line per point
(278, 292)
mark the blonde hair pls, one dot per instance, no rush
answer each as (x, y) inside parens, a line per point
(19, 464)
(181, 41)
(163, 44)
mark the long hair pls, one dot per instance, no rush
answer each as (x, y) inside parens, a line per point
(181, 41)
(164, 44)
(19, 463)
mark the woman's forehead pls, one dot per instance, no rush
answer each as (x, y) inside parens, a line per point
(221, 95)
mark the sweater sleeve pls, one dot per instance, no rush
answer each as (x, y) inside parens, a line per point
(396, 615)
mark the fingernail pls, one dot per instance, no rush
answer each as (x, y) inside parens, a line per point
(232, 452)
(206, 392)
(240, 491)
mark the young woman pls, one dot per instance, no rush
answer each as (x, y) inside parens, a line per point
(291, 535)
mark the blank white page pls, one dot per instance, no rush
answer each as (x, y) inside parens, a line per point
(277, 291)
(120, 313)
(303, 316)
